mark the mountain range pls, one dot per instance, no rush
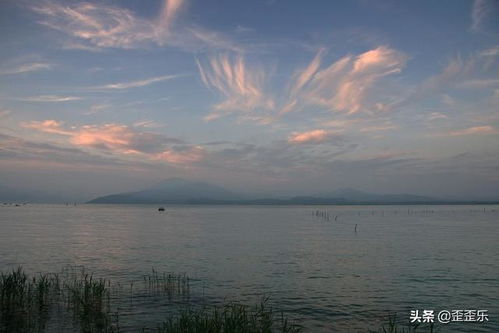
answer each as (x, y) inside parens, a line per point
(181, 191)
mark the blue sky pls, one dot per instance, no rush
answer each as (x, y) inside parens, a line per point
(281, 97)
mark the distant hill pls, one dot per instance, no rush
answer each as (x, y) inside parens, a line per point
(181, 191)
(174, 190)
(352, 195)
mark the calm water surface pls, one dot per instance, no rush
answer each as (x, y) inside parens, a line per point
(320, 272)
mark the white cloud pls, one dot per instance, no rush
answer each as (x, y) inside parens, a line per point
(51, 98)
(477, 130)
(138, 83)
(26, 68)
(480, 12)
(479, 83)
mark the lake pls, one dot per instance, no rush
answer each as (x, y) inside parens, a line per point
(318, 270)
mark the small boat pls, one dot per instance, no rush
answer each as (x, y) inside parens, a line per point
(161, 209)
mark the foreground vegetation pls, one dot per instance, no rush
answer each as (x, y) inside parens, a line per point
(392, 326)
(76, 301)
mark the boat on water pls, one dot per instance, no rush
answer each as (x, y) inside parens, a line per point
(161, 209)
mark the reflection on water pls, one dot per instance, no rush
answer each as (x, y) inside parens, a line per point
(318, 270)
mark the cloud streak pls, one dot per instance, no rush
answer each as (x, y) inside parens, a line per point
(345, 85)
(242, 86)
(314, 136)
(51, 99)
(124, 141)
(480, 12)
(477, 130)
(27, 68)
(109, 26)
(138, 83)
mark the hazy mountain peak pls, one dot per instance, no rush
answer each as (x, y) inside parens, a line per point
(176, 181)
(172, 190)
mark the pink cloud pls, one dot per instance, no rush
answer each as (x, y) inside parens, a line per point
(314, 136)
(242, 87)
(123, 140)
(192, 155)
(304, 77)
(354, 77)
(48, 126)
(345, 85)
(108, 136)
(109, 26)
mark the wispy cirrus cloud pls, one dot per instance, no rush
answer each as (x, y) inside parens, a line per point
(345, 84)
(123, 140)
(476, 130)
(437, 116)
(106, 26)
(492, 52)
(50, 98)
(303, 77)
(26, 68)
(71, 45)
(479, 83)
(148, 124)
(138, 83)
(481, 11)
(212, 39)
(242, 86)
(96, 26)
(478, 71)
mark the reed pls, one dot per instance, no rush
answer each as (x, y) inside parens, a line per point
(89, 300)
(40, 303)
(77, 301)
(393, 326)
(232, 317)
(23, 301)
(27, 303)
(169, 284)
(324, 215)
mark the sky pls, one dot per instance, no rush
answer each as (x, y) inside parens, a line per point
(265, 96)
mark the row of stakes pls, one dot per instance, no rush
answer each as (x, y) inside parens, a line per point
(325, 215)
